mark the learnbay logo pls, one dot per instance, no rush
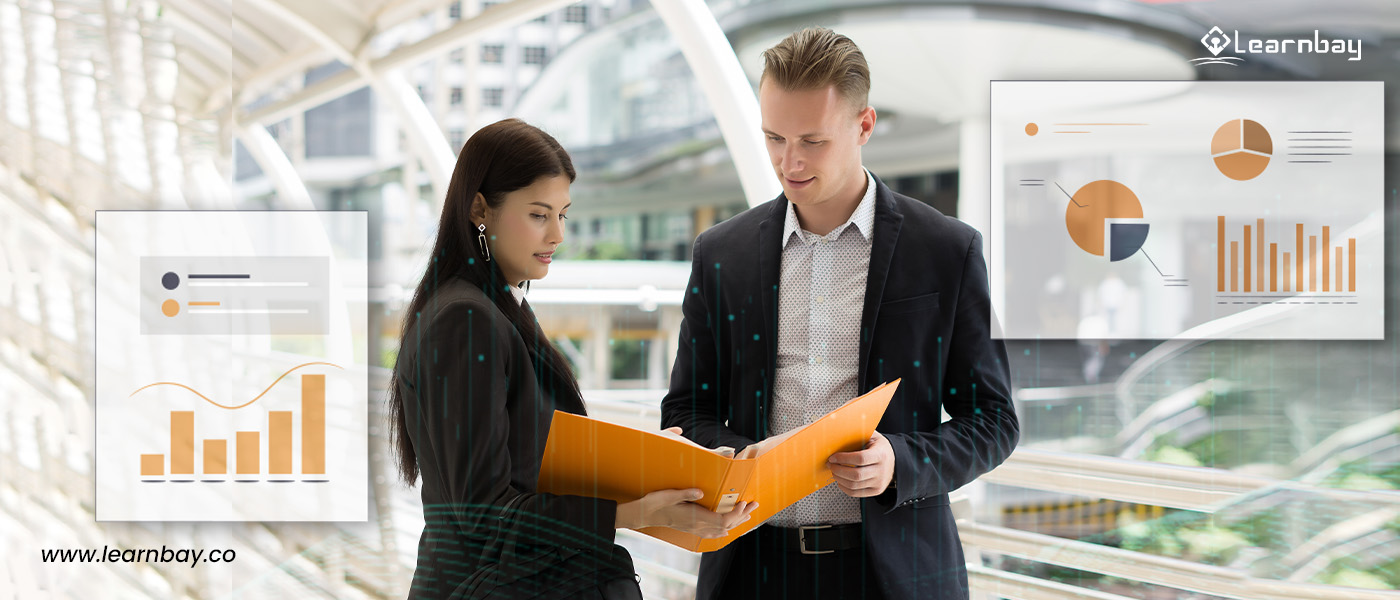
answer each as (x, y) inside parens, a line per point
(1217, 41)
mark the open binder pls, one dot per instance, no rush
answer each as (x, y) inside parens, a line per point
(587, 457)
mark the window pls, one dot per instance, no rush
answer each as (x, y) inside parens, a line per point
(493, 96)
(577, 13)
(456, 96)
(341, 127)
(540, 19)
(456, 137)
(454, 11)
(534, 55)
(457, 55)
(493, 53)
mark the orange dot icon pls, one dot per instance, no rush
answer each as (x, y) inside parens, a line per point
(1032, 129)
(170, 308)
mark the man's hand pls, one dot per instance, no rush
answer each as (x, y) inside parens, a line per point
(865, 473)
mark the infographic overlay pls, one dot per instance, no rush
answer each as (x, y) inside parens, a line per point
(1187, 209)
(231, 366)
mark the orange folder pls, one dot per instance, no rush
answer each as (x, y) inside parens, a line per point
(586, 457)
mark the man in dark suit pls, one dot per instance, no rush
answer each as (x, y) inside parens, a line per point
(849, 285)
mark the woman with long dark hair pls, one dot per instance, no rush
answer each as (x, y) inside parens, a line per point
(476, 384)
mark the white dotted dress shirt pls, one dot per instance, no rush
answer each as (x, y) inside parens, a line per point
(821, 296)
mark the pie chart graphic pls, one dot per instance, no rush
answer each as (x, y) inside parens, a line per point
(1092, 205)
(1241, 149)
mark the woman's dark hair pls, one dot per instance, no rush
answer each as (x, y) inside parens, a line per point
(500, 158)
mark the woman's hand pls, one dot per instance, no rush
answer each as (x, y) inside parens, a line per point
(675, 509)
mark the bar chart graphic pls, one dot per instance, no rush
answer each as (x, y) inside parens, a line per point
(280, 448)
(1305, 265)
(232, 381)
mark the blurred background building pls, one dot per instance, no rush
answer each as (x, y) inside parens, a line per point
(1148, 469)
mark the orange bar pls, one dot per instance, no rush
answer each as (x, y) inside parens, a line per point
(1273, 267)
(1234, 266)
(1259, 256)
(1351, 265)
(313, 424)
(1246, 258)
(1312, 263)
(152, 465)
(1220, 253)
(181, 442)
(203, 303)
(247, 452)
(1339, 268)
(279, 441)
(1286, 271)
(215, 457)
(1298, 259)
(1326, 249)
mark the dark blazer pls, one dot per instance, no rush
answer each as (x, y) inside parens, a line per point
(478, 420)
(926, 320)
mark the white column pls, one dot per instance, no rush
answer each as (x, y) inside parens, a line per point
(671, 332)
(421, 129)
(62, 47)
(974, 172)
(658, 369)
(722, 78)
(275, 165)
(599, 352)
(31, 97)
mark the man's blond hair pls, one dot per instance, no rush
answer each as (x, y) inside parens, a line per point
(815, 58)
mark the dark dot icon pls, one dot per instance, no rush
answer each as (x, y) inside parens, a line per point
(170, 281)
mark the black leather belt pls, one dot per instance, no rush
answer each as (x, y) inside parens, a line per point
(821, 539)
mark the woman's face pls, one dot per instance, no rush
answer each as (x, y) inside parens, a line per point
(525, 230)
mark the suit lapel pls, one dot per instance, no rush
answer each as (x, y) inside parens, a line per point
(566, 401)
(770, 260)
(888, 221)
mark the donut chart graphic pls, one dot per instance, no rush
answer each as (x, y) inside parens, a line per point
(1241, 149)
(1097, 202)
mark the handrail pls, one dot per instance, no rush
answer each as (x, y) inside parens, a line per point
(1163, 413)
(1148, 568)
(1004, 584)
(1311, 466)
(1067, 392)
(1200, 489)
(1190, 488)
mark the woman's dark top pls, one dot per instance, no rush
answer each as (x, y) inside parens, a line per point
(478, 418)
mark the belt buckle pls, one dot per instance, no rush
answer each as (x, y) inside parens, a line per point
(802, 539)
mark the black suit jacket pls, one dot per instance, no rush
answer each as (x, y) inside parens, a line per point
(926, 319)
(478, 419)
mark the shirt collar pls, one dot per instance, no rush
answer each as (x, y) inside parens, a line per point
(863, 218)
(518, 293)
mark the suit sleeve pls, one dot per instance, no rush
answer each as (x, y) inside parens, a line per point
(695, 402)
(468, 370)
(977, 395)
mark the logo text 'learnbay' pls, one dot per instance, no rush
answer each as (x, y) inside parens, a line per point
(1217, 41)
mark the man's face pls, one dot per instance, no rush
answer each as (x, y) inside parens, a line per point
(814, 139)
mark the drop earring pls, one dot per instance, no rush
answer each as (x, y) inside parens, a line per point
(481, 241)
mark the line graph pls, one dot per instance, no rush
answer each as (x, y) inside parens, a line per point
(255, 398)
